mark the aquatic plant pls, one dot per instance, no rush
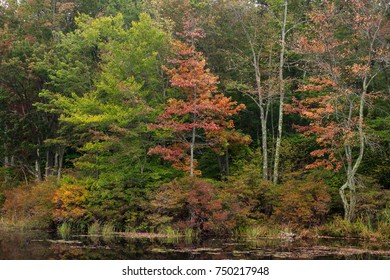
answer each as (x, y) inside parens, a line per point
(108, 229)
(94, 228)
(257, 231)
(64, 230)
(190, 235)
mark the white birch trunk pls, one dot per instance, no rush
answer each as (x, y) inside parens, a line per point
(281, 101)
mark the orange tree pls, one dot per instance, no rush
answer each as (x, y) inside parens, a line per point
(345, 53)
(200, 112)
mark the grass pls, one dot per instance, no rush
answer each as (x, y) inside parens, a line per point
(363, 228)
(94, 229)
(64, 230)
(12, 224)
(257, 231)
(172, 235)
(170, 232)
(108, 229)
(190, 235)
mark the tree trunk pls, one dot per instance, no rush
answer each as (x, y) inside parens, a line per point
(349, 201)
(38, 170)
(263, 119)
(48, 167)
(281, 102)
(227, 162)
(259, 102)
(193, 137)
(221, 166)
(264, 145)
(60, 161)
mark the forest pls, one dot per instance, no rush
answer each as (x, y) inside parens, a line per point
(208, 117)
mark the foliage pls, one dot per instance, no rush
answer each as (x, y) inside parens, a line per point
(252, 191)
(372, 200)
(197, 204)
(108, 121)
(200, 107)
(70, 204)
(64, 230)
(303, 202)
(358, 229)
(32, 204)
(105, 105)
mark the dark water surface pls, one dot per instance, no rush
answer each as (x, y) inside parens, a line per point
(33, 245)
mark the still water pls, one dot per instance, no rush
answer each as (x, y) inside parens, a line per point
(33, 245)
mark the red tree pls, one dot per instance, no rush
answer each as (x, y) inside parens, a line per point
(201, 112)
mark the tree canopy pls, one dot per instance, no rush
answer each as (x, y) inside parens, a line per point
(151, 114)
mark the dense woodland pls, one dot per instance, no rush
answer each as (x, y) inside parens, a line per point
(217, 116)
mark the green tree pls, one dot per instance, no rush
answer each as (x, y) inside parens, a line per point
(109, 122)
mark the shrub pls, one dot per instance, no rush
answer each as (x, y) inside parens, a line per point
(371, 200)
(252, 193)
(94, 228)
(303, 202)
(30, 204)
(69, 202)
(194, 203)
(121, 204)
(11, 177)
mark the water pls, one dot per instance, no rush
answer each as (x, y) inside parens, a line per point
(38, 245)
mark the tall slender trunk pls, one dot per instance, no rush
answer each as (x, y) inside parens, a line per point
(227, 162)
(281, 101)
(48, 167)
(349, 201)
(61, 151)
(193, 136)
(350, 184)
(260, 101)
(38, 170)
(264, 144)
(263, 118)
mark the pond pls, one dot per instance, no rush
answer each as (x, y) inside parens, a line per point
(38, 245)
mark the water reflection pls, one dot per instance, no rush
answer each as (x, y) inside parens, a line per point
(32, 245)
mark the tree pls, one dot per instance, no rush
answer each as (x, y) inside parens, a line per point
(25, 38)
(259, 50)
(344, 47)
(281, 95)
(200, 108)
(108, 122)
(247, 46)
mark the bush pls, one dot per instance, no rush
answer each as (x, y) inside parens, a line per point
(252, 192)
(194, 203)
(303, 202)
(69, 202)
(119, 203)
(371, 200)
(30, 204)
